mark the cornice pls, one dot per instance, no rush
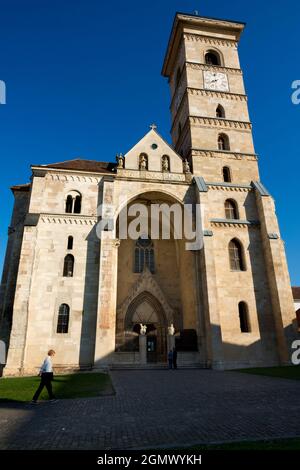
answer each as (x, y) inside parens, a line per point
(237, 223)
(68, 175)
(216, 94)
(68, 219)
(220, 123)
(224, 154)
(215, 68)
(211, 40)
(230, 187)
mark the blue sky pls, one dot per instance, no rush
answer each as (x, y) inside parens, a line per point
(83, 79)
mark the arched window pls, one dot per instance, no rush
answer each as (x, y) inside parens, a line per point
(68, 266)
(231, 209)
(69, 204)
(143, 161)
(236, 256)
(63, 319)
(165, 163)
(144, 255)
(212, 58)
(226, 174)
(70, 243)
(220, 112)
(223, 142)
(244, 318)
(73, 203)
(77, 205)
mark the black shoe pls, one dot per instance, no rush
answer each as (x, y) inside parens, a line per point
(34, 402)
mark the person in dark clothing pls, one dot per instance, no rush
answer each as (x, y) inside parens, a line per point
(46, 374)
(174, 358)
(170, 358)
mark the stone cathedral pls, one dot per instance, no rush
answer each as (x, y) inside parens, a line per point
(104, 302)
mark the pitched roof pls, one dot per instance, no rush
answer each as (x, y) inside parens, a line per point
(82, 165)
(296, 293)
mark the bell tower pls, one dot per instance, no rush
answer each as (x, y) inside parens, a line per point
(210, 119)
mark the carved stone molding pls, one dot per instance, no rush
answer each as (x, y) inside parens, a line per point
(234, 223)
(146, 283)
(224, 154)
(151, 175)
(216, 94)
(64, 219)
(210, 40)
(215, 68)
(220, 123)
(72, 178)
(242, 189)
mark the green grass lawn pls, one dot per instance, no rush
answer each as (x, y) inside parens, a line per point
(287, 372)
(277, 444)
(64, 386)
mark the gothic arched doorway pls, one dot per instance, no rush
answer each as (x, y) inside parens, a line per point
(145, 309)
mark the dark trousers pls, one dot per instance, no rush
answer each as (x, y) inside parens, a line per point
(170, 363)
(175, 363)
(45, 382)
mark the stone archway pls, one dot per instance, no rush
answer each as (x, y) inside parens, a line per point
(147, 310)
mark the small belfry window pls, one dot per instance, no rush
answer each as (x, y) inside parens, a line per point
(236, 256)
(144, 255)
(63, 319)
(231, 209)
(73, 203)
(70, 243)
(69, 205)
(212, 58)
(223, 142)
(68, 266)
(226, 174)
(244, 318)
(220, 112)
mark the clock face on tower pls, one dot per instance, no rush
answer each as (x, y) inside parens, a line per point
(215, 81)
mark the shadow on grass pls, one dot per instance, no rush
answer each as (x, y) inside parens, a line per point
(80, 385)
(286, 372)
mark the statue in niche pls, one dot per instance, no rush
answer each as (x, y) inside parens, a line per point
(143, 329)
(143, 162)
(186, 167)
(165, 163)
(171, 330)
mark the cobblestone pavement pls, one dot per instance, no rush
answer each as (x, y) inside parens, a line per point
(159, 408)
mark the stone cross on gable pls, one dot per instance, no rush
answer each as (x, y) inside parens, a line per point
(153, 126)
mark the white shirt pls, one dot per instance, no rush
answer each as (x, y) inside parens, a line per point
(47, 365)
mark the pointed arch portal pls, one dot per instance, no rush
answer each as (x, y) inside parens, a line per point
(147, 310)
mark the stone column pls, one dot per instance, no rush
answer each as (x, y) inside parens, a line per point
(107, 301)
(278, 276)
(143, 349)
(21, 308)
(207, 288)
